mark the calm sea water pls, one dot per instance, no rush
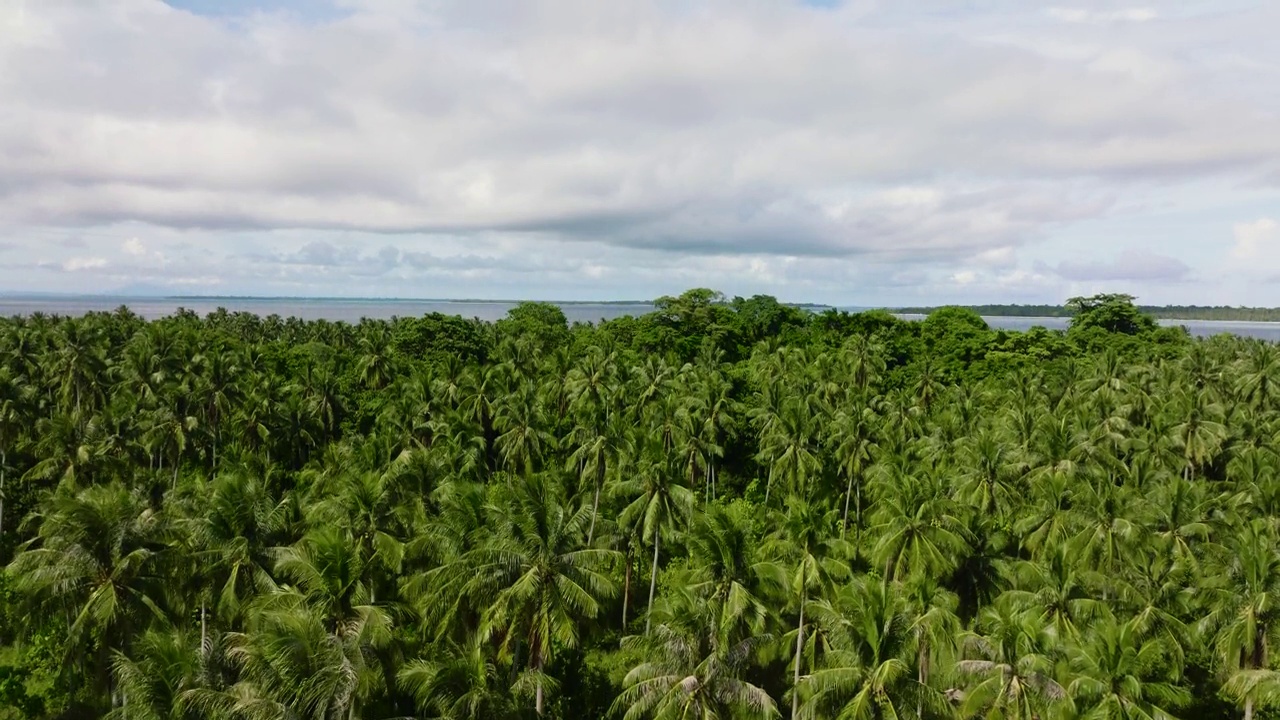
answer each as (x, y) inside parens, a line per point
(1198, 328)
(353, 310)
(348, 310)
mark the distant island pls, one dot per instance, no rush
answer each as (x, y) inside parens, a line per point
(1167, 312)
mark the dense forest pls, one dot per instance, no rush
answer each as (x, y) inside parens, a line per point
(722, 509)
(1164, 312)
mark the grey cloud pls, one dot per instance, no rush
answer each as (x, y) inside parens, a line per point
(1128, 265)
(703, 131)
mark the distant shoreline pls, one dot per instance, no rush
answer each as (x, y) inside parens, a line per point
(1216, 313)
(341, 299)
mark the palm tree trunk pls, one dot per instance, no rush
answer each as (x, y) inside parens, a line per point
(795, 684)
(848, 495)
(595, 506)
(3, 459)
(626, 590)
(537, 703)
(653, 582)
(857, 518)
(923, 675)
(1248, 709)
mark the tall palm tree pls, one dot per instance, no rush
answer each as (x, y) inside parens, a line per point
(1244, 613)
(727, 570)
(853, 437)
(656, 502)
(11, 415)
(164, 667)
(540, 579)
(94, 558)
(917, 525)
(815, 560)
(869, 674)
(694, 666)
(790, 448)
(1007, 667)
(463, 683)
(1118, 675)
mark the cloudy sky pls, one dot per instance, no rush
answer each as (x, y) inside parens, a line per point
(848, 152)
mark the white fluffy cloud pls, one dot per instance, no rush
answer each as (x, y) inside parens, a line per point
(1257, 241)
(577, 144)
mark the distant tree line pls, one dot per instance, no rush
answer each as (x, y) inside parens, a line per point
(1164, 312)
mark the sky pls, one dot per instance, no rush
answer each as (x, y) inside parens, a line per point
(849, 152)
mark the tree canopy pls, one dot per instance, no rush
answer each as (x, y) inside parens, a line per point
(726, 508)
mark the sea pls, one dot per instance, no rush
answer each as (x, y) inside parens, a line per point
(353, 310)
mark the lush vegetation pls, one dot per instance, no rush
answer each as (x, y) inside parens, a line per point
(1166, 312)
(719, 510)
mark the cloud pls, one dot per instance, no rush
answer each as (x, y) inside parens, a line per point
(577, 145)
(134, 246)
(1129, 265)
(1256, 240)
(1102, 17)
(1254, 255)
(76, 264)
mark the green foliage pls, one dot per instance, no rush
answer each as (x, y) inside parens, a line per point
(1112, 312)
(721, 509)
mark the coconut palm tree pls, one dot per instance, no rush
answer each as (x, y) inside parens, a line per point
(870, 672)
(1008, 665)
(815, 560)
(656, 503)
(93, 562)
(1118, 675)
(463, 683)
(538, 577)
(1243, 618)
(694, 666)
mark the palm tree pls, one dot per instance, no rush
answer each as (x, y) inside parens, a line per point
(597, 447)
(1260, 375)
(1118, 675)
(11, 390)
(520, 422)
(726, 570)
(232, 527)
(868, 675)
(789, 448)
(934, 627)
(1244, 618)
(93, 557)
(917, 527)
(1007, 666)
(992, 477)
(463, 683)
(815, 559)
(1201, 433)
(1058, 591)
(313, 645)
(293, 662)
(165, 666)
(853, 437)
(656, 503)
(538, 575)
(693, 667)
